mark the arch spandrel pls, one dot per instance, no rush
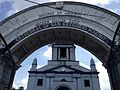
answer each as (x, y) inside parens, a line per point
(103, 22)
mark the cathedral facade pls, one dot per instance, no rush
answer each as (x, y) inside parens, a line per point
(63, 72)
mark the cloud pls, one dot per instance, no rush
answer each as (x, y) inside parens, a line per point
(39, 66)
(95, 2)
(18, 5)
(84, 65)
(103, 76)
(22, 4)
(5, 7)
(48, 53)
(11, 12)
(114, 6)
(2, 1)
(20, 83)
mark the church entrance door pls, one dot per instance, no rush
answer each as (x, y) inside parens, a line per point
(63, 88)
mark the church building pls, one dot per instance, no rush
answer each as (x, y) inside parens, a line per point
(63, 72)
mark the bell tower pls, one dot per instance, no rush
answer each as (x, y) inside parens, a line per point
(63, 52)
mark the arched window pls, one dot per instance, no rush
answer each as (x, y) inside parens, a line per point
(63, 80)
(63, 88)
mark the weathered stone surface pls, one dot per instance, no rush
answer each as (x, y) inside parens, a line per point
(88, 26)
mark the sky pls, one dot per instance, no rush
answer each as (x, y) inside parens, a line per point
(9, 7)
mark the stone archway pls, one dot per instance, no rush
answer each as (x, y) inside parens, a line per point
(93, 28)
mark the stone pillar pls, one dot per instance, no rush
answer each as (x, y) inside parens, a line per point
(114, 69)
(113, 65)
(114, 75)
(72, 53)
(54, 53)
(67, 53)
(47, 84)
(75, 83)
(7, 72)
(31, 82)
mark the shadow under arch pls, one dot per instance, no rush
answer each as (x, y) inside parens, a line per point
(60, 34)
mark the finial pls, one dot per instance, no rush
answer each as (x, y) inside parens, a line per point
(34, 62)
(92, 62)
(34, 65)
(92, 65)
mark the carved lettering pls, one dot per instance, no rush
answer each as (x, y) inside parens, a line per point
(64, 23)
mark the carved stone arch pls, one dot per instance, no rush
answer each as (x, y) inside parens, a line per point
(89, 26)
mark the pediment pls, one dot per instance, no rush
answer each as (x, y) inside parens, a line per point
(63, 68)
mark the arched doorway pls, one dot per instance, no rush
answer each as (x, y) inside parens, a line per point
(63, 88)
(88, 26)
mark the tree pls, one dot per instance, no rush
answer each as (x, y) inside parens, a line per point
(13, 89)
(21, 88)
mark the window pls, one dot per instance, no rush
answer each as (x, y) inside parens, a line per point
(62, 52)
(87, 83)
(40, 82)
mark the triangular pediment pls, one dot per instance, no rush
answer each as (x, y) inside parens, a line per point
(63, 68)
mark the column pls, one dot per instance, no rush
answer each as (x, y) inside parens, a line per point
(67, 53)
(113, 65)
(51, 83)
(79, 82)
(47, 83)
(95, 82)
(114, 75)
(32, 82)
(113, 68)
(2, 64)
(72, 54)
(75, 83)
(54, 53)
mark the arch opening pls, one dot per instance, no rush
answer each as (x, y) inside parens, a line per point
(101, 29)
(80, 56)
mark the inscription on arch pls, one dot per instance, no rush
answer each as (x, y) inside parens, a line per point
(62, 23)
